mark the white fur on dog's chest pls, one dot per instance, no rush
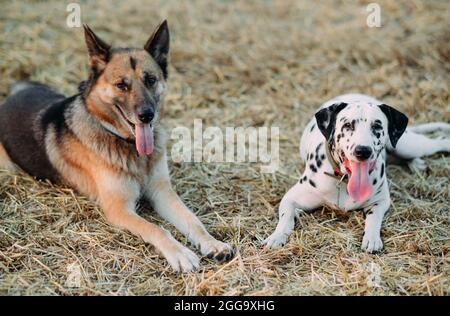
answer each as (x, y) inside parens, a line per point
(337, 198)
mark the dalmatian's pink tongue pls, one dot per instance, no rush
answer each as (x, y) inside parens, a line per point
(144, 139)
(359, 187)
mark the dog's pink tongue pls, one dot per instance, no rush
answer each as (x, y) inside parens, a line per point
(359, 187)
(144, 139)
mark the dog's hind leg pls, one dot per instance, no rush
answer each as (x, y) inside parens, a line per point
(412, 146)
(298, 197)
(5, 161)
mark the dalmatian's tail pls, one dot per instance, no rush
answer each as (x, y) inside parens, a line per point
(430, 127)
(413, 146)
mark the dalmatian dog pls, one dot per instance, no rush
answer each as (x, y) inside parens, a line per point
(344, 148)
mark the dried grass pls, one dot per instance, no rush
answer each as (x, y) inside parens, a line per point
(247, 63)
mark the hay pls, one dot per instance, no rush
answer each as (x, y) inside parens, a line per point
(240, 64)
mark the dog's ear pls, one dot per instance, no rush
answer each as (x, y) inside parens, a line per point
(158, 46)
(326, 119)
(98, 50)
(397, 122)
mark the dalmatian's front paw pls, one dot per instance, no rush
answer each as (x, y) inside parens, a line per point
(372, 242)
(275, 240)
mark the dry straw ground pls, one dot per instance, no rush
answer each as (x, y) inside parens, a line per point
(246, 63)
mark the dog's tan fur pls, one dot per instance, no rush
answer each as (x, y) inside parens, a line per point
(90, 158)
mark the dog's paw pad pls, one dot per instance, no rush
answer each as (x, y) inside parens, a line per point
(372, 243)
(275, 240)
(217, 250)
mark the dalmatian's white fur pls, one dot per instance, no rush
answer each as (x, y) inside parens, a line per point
(358, 131)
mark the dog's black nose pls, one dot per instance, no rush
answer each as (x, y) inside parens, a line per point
(146, 116)
(363, 152)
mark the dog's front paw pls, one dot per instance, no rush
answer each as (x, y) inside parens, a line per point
(372, 242)
(275, 240)
(181, 259)
(217, 250)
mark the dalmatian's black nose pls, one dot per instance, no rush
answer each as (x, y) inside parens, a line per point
(363, 152)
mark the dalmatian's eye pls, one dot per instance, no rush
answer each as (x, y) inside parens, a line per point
(377, 126)
(348, 126)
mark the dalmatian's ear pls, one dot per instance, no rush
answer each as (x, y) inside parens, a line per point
(326, 119)
(397, 122)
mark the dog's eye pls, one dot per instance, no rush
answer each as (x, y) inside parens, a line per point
(149, 80)
(348, 126)
(122, 86)
(377, 126)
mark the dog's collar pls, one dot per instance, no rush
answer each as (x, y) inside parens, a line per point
(110, 129)
(338, 175)
(127, 140)
(332, 161)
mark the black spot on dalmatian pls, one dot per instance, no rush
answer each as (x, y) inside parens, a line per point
(319, 163)
(312, 127)
(382, 170)
(313, 168)
(318, 147)
(312, 183)
(374, 181)
(367, 214)
(302, 179)
(381, 185)
(322, 157)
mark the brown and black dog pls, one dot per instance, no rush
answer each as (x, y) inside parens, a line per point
(107, 143)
